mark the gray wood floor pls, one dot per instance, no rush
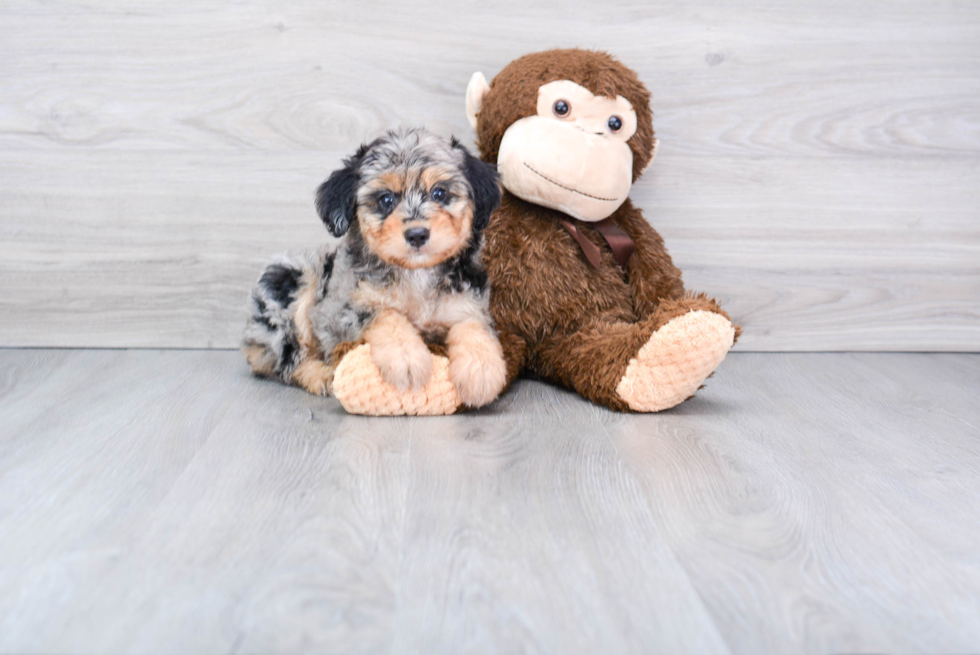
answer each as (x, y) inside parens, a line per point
(166, 502)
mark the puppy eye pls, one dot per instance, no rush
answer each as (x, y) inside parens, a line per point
(438, 195)
(386, 201)
(561, 108)
(615, 123)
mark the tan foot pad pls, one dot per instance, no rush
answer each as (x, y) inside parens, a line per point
(675, 361)
(360, 388)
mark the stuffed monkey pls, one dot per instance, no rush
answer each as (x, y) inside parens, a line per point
(583, 292)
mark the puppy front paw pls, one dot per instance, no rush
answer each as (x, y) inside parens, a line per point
(404, 366)
(476, 366)
(398, 351)
(315, 376)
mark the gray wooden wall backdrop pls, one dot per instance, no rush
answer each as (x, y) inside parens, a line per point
(819, 168)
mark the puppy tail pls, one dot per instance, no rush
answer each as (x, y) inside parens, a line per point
(279, 334)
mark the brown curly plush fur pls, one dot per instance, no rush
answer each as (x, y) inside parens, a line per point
(559, 318)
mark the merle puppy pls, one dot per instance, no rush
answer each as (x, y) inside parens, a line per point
(411, 208)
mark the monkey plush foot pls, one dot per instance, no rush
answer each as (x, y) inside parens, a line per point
(671, 366)
(361, 389)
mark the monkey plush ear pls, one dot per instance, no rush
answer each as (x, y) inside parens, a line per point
(484, 184)
(336, 199)
(653, 155)
(476, 93)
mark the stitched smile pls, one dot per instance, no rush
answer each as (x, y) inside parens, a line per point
(567, 188)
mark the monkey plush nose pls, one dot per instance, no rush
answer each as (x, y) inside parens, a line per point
(417, 236)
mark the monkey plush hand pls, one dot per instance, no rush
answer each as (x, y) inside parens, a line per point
(583, 292)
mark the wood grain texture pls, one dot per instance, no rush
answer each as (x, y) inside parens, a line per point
(817, 171)
(802, 503)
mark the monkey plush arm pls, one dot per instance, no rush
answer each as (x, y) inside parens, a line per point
(508, 328)
(515, 354)
(652, 274)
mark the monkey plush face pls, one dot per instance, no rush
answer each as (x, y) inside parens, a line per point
(569, 129)
(572, 154)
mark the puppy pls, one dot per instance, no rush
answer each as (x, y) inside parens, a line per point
(410, 208)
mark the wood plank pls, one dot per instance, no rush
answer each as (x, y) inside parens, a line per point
(167, 501)
(836, 492)
(193, 508)
(877, 78)
(114, 260)
(817, 172)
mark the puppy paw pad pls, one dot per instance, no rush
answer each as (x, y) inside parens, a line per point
(361, 389)
(676, 359)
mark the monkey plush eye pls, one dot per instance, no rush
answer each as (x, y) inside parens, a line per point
(561, 108)
(438, 194)
(615, 123)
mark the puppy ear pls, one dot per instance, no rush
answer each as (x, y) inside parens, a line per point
(484, 184)
(336, 199)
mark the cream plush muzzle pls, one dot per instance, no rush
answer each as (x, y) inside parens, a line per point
(574, 163)
(588, 183)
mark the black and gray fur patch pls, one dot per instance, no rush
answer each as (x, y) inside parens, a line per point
(288, 357)
(465, 272)
(365, 264)
(326, 272)
(260, 313)
(280, 283)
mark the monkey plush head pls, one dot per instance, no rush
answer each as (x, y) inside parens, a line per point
(568, 129)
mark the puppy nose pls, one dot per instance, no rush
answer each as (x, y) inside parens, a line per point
(417, 236)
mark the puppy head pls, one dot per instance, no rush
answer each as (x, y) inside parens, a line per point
(417, 199)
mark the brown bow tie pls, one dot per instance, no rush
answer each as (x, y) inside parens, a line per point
(620, 242)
